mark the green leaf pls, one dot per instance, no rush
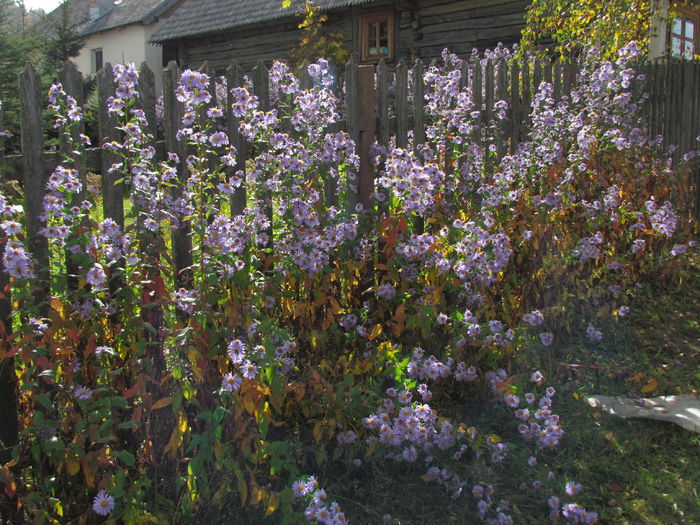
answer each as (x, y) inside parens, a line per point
(127, 458)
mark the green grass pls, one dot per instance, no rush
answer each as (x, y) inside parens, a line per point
(634, 471)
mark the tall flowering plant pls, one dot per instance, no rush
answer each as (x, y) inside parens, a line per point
(148, 391)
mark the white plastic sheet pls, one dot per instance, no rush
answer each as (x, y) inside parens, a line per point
(681, 410)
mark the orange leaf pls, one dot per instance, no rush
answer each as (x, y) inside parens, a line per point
(651, 385)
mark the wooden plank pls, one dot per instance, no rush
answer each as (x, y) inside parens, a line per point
(556, 80)
(147, 100)
(3, 173)
(686, 129)
(173, 112)
(489, 95)
(402, 105)
(368, 121)
(35, 178)
(418, 125)
(515, 106)
(418, 105)
(537, 76)
(112, 194)
(501, 94)
(261, 88)
(72, 148)
(477, 91)
(212, 158)
(383, 122)
(305, 80)
(234, 79)
(527, 99)
(383, 103)
(547, 71)
(352, 122)
(569, 78)
(5, 291)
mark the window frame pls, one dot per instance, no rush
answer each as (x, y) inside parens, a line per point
(94, 62)
(685, 13)
(364, 22)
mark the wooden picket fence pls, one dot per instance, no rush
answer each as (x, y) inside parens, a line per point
(372, 114)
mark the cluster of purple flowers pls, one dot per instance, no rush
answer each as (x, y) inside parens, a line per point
(486, 504)
(318, 509)
(64, 106)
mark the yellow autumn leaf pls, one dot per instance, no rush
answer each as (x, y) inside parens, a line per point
(162, 403)
(273, 503)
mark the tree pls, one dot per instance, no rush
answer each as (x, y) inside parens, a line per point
(316, 41)
(566, 27)
(16, 47)
(63, 41)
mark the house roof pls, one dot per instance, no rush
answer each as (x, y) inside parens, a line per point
(123, 13)
(196, 17)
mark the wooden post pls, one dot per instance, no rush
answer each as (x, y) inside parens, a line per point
(418, 125)
(234, 78)
(35, 177)
(8, 388)
(112, 193)
(527, 98)
(556, 84)
(173, 113)
(147, 99)
(2, 137)
(478, 94)
(383, 132)
(401, 105)
(502, 91)
(352, 122)
(261, 87)
(368, 129)
(305, 80)
(72, 148)
(515, 106)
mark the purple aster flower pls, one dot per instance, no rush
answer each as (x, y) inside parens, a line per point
(593, 334)
(231, 382)
(218, 139)
(103, 504)
(537, 377)
(299, 489)
(573, 488)
(82, 393)
(546, 338)
(249, 370)
(96, 276)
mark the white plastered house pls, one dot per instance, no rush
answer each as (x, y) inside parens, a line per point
(118, 31)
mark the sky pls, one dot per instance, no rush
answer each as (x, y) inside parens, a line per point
(46, 5)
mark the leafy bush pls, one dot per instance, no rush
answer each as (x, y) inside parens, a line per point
(308, 318)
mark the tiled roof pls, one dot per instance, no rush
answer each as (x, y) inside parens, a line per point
(123, 13)
(196, 17)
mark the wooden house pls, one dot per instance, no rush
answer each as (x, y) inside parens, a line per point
(218, 31)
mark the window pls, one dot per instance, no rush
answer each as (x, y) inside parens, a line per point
(97, 60)
(377, 36)
(684, 34)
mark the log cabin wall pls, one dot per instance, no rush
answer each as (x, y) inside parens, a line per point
(423, 29)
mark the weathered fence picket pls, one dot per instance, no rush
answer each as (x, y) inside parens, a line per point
(112, 193)
(35, 177)
(173, 112)
(371, 112)
(234, 79)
